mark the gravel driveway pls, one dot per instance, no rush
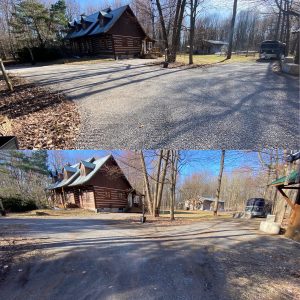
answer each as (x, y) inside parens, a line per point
(130, 105)
(102, 259)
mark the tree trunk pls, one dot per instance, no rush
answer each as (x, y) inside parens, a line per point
(162, 181)
(6, 78)
(278, 22)
(147, 185)
(176, 29)
(152, 21)
(31, 56)
(192, 29)
(283, 25)
(173, 175)
(162, 24)
(232, 29)
(288, 29)
(219, 183)
(157, 180)
(297, 56)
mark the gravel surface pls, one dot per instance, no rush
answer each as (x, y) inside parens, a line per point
(103, 259)
(130, 105)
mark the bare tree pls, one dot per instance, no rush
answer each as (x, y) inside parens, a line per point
(229, 53)
(219, 183)
(164, 167)
(147, 184)
(174, 159)
(193, 14)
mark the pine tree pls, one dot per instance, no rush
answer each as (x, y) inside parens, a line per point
(58, 17)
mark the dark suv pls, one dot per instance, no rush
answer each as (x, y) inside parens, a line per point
(257, 207)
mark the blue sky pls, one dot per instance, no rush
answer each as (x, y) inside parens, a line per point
(194, 160)
(210, 6)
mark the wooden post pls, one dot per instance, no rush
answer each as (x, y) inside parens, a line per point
(6, 78)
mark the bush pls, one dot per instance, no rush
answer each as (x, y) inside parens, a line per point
(41, 54)
(18, 205)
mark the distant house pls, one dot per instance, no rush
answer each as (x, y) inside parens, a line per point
(202, 203)
(95, 184)
(210, 47)
(108, 32)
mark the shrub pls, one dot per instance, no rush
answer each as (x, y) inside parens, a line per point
(41, 54)
(13, 204)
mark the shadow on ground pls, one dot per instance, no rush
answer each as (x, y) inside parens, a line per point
(215, 260)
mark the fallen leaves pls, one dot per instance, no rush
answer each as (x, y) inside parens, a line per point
(41, 119)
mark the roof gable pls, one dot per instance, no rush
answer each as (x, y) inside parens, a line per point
(93, 166)
(98, 23)
(92, 22)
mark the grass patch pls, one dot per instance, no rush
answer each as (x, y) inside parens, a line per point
(194, 214)
(86, 60)
(70, 212)
(213, 59)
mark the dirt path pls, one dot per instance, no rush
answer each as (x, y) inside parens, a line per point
(103, 259)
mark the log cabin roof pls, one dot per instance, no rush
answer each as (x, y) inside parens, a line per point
(79, 178)
(67, 181)
(93, 24)
(95, 166)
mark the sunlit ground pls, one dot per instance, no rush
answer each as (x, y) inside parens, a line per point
(194, 214)
(211, 59)
(78, 212)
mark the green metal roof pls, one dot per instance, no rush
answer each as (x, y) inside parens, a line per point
(98, 163)
(77, 178)
(88, 164)
(293, 178)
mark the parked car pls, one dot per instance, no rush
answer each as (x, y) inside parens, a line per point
(257, 207)
(272, 49)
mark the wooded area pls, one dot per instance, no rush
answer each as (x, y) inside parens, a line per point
(176, 25)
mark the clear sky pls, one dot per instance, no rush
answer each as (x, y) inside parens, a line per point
(194, 160)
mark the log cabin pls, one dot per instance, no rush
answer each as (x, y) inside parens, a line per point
(109, 32)
(95, 184)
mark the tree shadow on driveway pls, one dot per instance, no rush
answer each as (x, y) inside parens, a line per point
(207, 265)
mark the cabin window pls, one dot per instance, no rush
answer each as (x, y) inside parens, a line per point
(107, 194)
(121, 195)
(104, 44)
(136, 43)
(124, 42)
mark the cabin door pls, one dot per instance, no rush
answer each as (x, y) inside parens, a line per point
(77, 199)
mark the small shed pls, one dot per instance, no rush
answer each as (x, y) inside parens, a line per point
(203, 203)
(210, 47)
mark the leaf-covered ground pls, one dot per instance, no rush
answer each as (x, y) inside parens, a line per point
(41, 119)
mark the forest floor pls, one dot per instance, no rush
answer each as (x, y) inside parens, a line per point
(39, 118)
(89, 258)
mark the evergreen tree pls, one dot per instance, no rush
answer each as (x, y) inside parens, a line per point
(58, 18)
(30, 23)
